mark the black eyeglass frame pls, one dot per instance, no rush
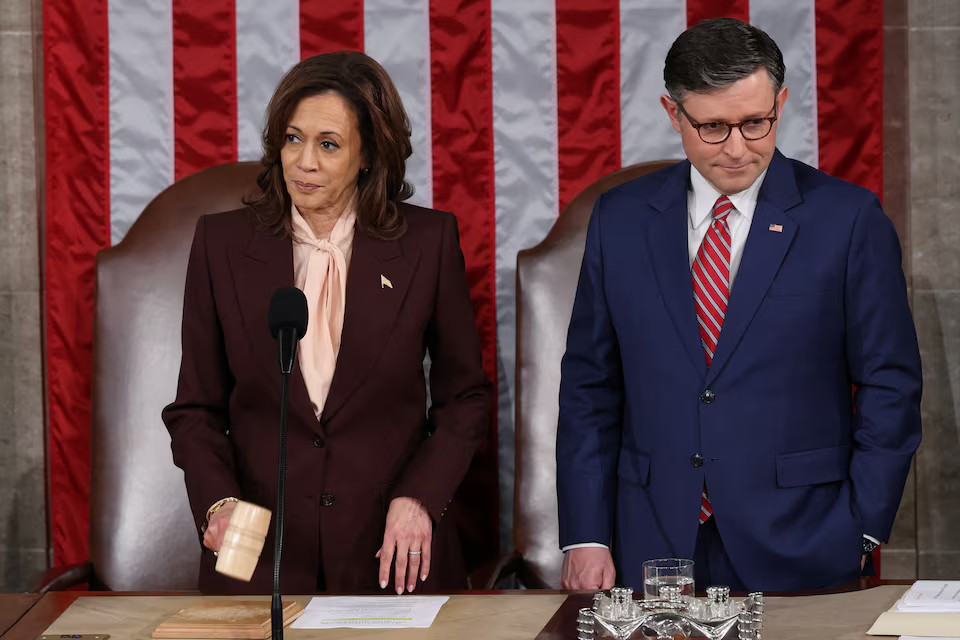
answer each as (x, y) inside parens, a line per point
(730, 125)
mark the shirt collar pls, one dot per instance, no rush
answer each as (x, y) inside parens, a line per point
(705, 196)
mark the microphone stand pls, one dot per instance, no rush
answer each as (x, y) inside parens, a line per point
(286, 366)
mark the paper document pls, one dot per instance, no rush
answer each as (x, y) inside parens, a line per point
(370, 612)
(930, 609)
(928, 638)
(931, 596)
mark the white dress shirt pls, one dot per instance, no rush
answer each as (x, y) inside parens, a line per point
(700, 200)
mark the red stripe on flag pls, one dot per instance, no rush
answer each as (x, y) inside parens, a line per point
(204, 84)
(850, 96)
(330, 25)
(76, 104)
(588, 93)
(461, 71)
(698, 10)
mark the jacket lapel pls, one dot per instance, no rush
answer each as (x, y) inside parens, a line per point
(667, 240)
(266, 265)
(377, 282)
(762, 256)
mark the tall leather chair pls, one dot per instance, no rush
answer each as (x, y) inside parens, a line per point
(547, 277)
(142, 534)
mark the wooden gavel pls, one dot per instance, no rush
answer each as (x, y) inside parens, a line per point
(243, 541)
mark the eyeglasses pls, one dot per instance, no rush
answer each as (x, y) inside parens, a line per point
(717, 132)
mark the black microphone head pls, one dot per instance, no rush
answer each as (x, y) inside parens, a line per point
(288, 310)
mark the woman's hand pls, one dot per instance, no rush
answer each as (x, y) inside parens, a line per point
(217, 526)
(408, 535)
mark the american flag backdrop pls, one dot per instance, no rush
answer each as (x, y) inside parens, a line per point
(516, 105)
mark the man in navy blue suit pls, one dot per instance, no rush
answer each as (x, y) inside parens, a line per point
(742, 381)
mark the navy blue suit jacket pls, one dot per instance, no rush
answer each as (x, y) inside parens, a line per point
(797, 467)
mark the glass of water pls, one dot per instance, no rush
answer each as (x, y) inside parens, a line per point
(662, 572)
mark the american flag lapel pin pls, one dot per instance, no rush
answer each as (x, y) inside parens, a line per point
(384, 282)
(776, 228)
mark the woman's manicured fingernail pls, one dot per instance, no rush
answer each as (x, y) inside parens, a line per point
(383, 584)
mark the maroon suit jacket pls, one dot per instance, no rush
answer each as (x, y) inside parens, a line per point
(375, 439)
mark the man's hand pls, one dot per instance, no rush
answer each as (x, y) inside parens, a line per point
(588, 568)
(217, 526)
(408, 536)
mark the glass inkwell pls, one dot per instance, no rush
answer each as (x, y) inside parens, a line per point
(616, 615)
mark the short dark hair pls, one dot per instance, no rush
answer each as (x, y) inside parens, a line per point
(716, 53)
(384, 133)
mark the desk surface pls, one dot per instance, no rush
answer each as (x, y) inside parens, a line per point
(495, 616)
(134, 617)
(837, 616)
(13, 606)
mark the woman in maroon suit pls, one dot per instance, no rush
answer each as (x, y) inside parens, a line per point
(370, 469)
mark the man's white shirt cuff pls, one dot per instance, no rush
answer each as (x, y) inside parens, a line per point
(583, 545)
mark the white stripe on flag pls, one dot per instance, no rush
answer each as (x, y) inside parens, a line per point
(526, 184)
(141, 107)
(397, 35)
(268, 44)
(647, 29)
(791, 25)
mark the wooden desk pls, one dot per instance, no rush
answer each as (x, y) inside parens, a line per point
(492, 616)
(837, 616)
(495, 616)
(13, 606)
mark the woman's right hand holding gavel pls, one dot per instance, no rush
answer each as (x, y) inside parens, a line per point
(217, 526)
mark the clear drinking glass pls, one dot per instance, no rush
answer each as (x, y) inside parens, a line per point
(662, 572)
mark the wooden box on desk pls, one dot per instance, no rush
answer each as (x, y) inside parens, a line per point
(225, 619)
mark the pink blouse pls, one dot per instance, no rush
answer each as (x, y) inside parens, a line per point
(320, 271)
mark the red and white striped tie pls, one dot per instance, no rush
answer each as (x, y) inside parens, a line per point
(711, 290)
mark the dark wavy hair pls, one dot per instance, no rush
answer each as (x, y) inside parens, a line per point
(384, 134)
(716, 53)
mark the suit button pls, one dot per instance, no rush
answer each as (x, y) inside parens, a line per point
(328, 499)
(708, 396)
(319, 443)
(696, 460)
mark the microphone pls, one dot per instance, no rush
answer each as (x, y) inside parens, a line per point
(288, 322)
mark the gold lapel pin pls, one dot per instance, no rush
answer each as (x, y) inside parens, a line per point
(384, 282)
